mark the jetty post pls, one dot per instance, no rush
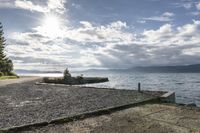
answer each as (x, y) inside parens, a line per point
(139, 87)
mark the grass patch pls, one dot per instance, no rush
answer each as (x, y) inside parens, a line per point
(8, 77)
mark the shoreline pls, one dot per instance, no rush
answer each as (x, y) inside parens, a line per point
(21, 79)
(26, 78)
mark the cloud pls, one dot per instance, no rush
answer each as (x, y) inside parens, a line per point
(168, 14)
(196, 13)
(77, 6)
(167, 35)
(118, 25)
(163, 32)
(111, 45)
(28, 5)
(86, 24)
(57, 6)
(46, 6)
(165, 17)
(113, 33)
(141, 21)
(167, 45)
(7, 4)
(34, 46)
(186, 5)
(198, 6)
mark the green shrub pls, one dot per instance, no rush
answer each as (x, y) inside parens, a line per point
(80, 78)
(1, 74)
(8, 74)
(12, 74)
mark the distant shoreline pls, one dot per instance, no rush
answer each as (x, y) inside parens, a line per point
(195, 68)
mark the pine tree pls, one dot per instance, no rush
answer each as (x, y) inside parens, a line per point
(6, 65)
(2, 44)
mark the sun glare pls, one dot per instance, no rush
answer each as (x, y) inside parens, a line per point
(51, 26)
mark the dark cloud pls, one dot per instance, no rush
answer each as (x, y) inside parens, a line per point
(35, 60)
(123, 56)
(17, 42)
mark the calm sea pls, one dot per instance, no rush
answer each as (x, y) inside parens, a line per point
(186, 85)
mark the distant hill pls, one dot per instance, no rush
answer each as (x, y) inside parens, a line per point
(22, 71)
(156, 69)
(169, 69)
(150, 69)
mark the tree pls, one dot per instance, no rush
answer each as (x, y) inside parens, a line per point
(6, 65)
(2, 44)
(67, 74)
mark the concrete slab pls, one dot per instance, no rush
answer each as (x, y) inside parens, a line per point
(168, 97)
(151, 118)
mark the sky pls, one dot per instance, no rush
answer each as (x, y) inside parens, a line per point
(83, 34)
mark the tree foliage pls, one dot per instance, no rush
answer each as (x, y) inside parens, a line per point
(6, 65)
(67, 74)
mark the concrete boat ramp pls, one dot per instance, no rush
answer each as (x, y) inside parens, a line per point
(29, 107)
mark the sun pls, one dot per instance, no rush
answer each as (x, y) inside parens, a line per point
(51, 22)
(51, 26)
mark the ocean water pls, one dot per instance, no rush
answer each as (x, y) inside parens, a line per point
(185, 85)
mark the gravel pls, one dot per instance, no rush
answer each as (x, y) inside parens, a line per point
(27, 103)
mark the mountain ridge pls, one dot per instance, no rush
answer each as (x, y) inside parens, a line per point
(194, 68)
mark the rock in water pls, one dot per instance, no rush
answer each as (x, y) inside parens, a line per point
(191, 105)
